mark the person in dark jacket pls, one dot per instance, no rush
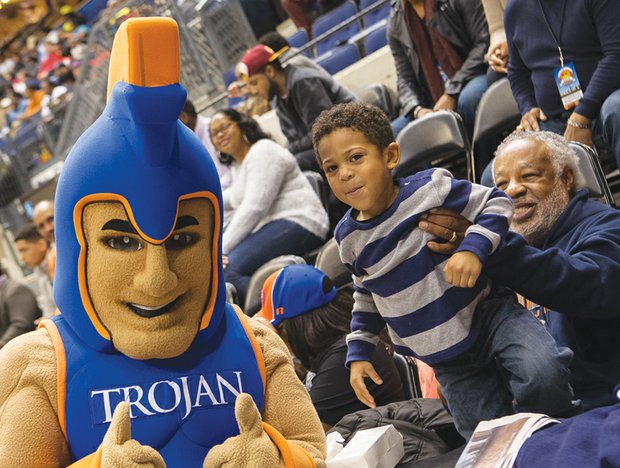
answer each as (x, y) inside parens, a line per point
(438, 48)
(563, 255)
(584, 34)
(299, 95)
(18, 309)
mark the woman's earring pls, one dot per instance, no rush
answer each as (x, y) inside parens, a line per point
(245, 138)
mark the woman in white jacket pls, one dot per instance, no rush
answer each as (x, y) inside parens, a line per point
(275, 210)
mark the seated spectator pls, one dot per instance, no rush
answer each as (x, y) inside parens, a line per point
(313, 319)
(299, 95)
(43, 219)
(276, 211)
(200, 126)
(18, 309)
(32, 249)
(563, 254)
(586, 39)
(34, 96)
(438, 49)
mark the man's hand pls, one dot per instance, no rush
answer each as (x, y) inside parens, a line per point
(498, 58)
(463, 269)
(445, 102)
(224, 261)
(529, 121)
(251, 445)
(118, 449)
(423, 111)
(582, 135)
(237, 89)
(359, 371)
(443, 223)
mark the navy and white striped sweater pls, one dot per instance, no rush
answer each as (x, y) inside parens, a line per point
(399, 282)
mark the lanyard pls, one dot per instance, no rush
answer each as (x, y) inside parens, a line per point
(551, 30)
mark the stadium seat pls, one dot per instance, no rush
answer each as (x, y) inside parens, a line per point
(376, 39)
(332, 19)
(381, 96)
(299, 39)
(381, 13)
(437, 139)
(339, 58)
(319, 186)
(253, 296)
(229, 77)
(408, 371)
(497, 115)
(592, 171)
(328, 261)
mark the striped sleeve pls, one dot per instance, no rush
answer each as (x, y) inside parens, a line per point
(488, 208)
(366, 324)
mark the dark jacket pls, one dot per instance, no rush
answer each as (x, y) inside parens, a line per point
(18, 310)
(590, 39)
(463, 24)
(576, 274)
(309, 92)
(427, 428)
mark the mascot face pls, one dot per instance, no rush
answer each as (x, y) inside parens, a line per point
(144, 292)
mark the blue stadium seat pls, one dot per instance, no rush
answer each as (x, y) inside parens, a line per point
(376, 39)
(381, 13)
(329, 20)
(339, 58)
(90, 10)
(298, 39)
(229, 77)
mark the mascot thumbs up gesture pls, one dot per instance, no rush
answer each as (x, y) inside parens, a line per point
(146, 364)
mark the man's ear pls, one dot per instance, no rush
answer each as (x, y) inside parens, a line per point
(568, 177)
(269, 71)
(392, 153)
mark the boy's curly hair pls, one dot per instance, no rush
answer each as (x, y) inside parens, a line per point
(364, 118)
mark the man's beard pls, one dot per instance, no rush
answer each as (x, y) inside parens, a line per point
(548, 210)
(273, 90)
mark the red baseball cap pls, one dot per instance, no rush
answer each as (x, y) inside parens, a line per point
(256, 58)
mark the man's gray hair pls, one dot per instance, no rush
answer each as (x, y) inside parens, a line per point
(561, 154)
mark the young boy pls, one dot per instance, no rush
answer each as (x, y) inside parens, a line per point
(490, 356)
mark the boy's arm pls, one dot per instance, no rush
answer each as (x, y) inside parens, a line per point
(489, 209)
(366, 324)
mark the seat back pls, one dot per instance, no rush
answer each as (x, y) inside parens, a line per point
(332, 19)
(590, 167)
(255, 288)
(298, 39)
(381, 96)
(408, 371)
(380, 13)
(319, 186)
(497, 115)
(328, 261)
(437, 139)
(339, 58)
(376, 39)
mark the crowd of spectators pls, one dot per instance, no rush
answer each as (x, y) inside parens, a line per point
(446, 53)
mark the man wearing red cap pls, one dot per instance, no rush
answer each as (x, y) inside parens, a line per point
(299, 95)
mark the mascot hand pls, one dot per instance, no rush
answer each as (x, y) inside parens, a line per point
(120, 450)
(251, 448)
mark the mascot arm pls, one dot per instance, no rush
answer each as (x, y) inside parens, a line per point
(30, 434)
(289, 418)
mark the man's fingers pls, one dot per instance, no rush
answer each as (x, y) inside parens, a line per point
(441, 248)
(119, 431)
(372, 373)
(541, 115)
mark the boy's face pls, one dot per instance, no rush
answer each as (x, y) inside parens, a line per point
(32, 253)
(358, 172)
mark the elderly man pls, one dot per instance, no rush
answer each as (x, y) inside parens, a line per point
(564, 254)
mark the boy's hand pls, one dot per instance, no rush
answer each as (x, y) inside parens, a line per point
(359, 371)
(462, 270)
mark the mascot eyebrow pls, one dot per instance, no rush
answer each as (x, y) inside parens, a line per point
(125, 226)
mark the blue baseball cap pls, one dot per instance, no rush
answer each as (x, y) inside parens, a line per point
(294, 290)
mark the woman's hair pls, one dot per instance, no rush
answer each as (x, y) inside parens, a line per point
(309, 334)
(249, 127)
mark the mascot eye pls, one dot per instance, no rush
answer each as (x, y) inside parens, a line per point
(180, 241)
(123, 243)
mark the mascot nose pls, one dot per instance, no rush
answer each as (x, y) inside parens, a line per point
(156, 279)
